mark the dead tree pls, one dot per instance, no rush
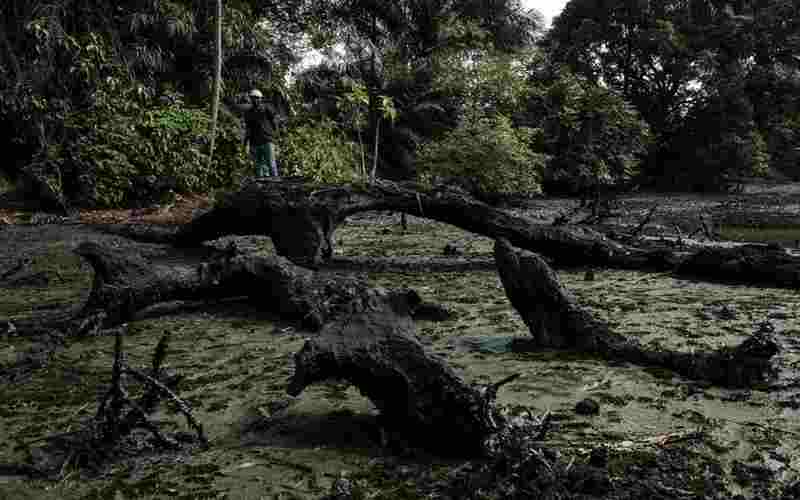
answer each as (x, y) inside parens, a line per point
(125, 283)
(367, 334)
(301, 219)
(770, 265)
(556, 321)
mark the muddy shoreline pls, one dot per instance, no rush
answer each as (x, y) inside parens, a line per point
(237, 359)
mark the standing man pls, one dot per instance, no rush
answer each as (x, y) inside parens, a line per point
(261, 124)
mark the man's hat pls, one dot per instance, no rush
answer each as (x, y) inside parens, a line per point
(255, 93)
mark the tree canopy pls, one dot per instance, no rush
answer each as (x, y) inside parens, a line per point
(688, 65)
(97, 98)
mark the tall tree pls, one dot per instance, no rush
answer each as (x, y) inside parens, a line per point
(677, 60)
(217, 82)
(396, 49)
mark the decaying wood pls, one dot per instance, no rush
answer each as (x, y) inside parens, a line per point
(556, 320)
(769, 265)
(373, 345)
(367, 334)
(125, 283)
(301, 219)
(111, 432)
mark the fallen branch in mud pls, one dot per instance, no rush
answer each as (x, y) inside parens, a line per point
(112, 431)
(555, 320)
(301, 218)
(635, 233)
(125, 284)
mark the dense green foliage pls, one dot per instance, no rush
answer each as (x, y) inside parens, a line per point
(716, 81)
(318, 150)
(97, 98)
(124, 153)
(594, 137)
(487, 151)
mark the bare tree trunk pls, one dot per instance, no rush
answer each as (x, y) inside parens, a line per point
(301, 219)
(217, 83)
(375, 152)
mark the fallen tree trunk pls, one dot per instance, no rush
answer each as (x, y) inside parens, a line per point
(125, 283)
(556, 321)
(750, 264)
(374, 346)
(302, 218)
(367, 337)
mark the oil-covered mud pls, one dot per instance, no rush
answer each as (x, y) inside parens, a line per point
(684, 439)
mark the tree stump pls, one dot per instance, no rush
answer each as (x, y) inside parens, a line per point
(373, 345)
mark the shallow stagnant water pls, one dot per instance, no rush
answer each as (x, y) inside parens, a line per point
(236, 361)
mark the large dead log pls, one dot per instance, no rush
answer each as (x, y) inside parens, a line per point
(373, 345)
(301, 219)
(367, 337)
(769, 265)
(125, 283)
(556, 320)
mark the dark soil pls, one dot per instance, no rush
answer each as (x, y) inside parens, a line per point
(662, 438)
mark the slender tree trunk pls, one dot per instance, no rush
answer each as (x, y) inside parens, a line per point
(363, 156)
(375, 152)
(217, 83)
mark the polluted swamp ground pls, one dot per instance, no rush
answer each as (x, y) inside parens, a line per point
(236, 359)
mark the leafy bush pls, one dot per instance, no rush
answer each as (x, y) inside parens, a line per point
(96, 136)
(487, 151)
(318, 151)
(124, 152)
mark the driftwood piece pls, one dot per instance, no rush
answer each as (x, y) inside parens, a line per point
(556, 320)
(373, 345)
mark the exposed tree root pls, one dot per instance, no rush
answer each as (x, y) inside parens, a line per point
(112, 432)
